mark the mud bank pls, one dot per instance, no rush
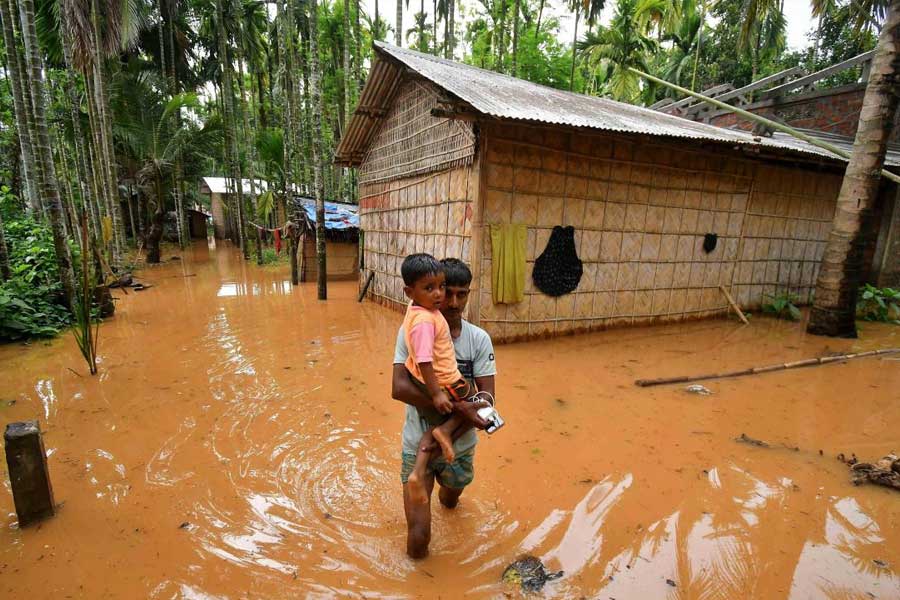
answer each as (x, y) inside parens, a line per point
(240, 441)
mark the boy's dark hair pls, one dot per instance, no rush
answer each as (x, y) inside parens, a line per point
(417, 266)
(456, 272)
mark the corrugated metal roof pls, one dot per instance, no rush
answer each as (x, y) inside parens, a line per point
(506, 97)
(845, 143)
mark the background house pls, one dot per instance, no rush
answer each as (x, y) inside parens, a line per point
(221, 192)
(444, 150)
(341, 240)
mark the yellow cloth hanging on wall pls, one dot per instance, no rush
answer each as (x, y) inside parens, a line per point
(106, 227)
(508, 262)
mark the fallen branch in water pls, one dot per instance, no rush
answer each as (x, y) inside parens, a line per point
(809, 362)
(746, 439)
(885, 472)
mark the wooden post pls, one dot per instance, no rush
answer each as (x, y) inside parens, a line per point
(28, 474)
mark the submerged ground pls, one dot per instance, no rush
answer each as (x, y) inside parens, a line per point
(240, 442)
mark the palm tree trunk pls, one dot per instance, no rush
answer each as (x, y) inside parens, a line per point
(21, 106)
(5, 272)
(286, 24)
(699, 44)
(421, 43)
(398, 31)
(229, 126)
(537, 28)
(376, 29)
(834, 308)
(501, 39)
(346, 57)
(35, 85)
(515, 40)
(452, 11)
(106, 137)
(250, 202)
(574, 50)
(322, 281)
(84, 173)
(434, 23)
(357, 54)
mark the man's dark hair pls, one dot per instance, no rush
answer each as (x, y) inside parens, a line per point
(417, 266)
(456, 272)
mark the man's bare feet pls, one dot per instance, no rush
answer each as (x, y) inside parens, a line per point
(445, 441)
(417, 492)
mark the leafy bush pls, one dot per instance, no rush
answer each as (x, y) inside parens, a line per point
(31, 302)
(269, 257)
(782, 306)
(30, 311)
(879, 304)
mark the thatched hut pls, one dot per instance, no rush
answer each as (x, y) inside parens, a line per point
(446, 150)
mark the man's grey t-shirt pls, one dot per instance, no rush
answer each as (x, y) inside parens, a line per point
(475, 358)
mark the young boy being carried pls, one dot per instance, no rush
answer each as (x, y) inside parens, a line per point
(432, 364)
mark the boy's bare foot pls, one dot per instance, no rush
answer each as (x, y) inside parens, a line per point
(417, 492)
(445, 441)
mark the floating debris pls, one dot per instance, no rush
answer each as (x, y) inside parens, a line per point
(885, 472)
(529, 572)
(698, 389)
(746, 439)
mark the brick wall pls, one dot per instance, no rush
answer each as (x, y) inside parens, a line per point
(834, 111)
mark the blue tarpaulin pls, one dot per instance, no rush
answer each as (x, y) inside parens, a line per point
(337, 215)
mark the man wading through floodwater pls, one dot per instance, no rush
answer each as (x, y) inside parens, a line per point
(475, 358)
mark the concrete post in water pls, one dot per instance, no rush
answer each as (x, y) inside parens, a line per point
(28, 474)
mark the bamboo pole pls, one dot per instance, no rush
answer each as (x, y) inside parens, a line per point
(760, 120)
(734, 305)
(809, 362)
(365, 288)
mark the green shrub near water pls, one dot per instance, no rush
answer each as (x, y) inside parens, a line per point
(878, 304)
(782, 306)
(31, 302)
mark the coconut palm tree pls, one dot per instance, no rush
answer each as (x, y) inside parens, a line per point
(616, 48)
(591, 8)
(763, 30)
(681, 61)
(156, 140)
(834, 308)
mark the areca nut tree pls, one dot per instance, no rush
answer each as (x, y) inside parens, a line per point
(618, 48)
(834, 308)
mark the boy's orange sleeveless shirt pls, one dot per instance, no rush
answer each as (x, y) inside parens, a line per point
(444, 357)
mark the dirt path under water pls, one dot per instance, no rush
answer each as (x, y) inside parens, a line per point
(240, 441)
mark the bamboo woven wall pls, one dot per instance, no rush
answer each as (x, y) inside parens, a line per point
(412, 142)
(428, 213)
(640, 211)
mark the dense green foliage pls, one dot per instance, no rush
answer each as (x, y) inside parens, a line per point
(31, 302)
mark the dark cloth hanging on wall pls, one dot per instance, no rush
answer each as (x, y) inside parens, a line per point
(558, 269)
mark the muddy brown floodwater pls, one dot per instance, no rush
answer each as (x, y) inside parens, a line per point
(240, 441)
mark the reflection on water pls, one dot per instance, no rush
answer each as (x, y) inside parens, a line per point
(253, 289)
(241, 443)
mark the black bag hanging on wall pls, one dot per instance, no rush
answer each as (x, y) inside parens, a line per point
(558, 269)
